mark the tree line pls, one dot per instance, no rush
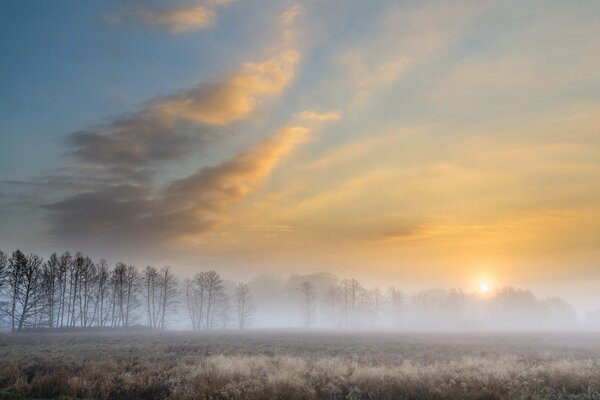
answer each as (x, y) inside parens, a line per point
(73, 291)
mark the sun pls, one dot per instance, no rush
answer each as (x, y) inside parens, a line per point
(484, 288)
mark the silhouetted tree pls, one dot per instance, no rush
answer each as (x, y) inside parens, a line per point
(169, 293)
(244, 305)
(307, 291)
(395, 303)
(25, 283)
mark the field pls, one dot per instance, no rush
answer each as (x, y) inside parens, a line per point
(296, 365)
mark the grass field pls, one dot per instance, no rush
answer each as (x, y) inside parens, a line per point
(295, 365)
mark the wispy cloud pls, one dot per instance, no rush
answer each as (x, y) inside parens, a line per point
(180, 20)
(406, 37)
(170, 127)
(328, 116)
(185, 208)
(120, 156)
(176, 20)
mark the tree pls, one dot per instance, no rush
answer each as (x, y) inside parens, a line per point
(168, 294)
(87, 293)
(25, 288)
(152, 295)
(307, 291)
(191, 301)
(374, 300)
(124, 287)
(50, 274)
(3, 272)
(205, 298)
(64, 264)
(244, 305)
(214, 288)
(396, 303)
(103, 291)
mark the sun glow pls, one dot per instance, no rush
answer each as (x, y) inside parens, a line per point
(484, 288)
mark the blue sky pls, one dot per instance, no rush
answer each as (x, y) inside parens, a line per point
(438, 141)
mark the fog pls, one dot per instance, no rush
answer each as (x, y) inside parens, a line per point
(75, 291)
(346, 304)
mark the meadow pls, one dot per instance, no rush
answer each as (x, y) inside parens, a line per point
(298, 365)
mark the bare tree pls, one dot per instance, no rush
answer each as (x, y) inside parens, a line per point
(103, 292)
(152, 295)
(307, 291)
(244, 305)
(395, 303)
(374, 299)
(3, 273)
(204, 297)
(214, 288)
(191, 301)
(222, 316)
(334, 307)
(50, 273)
(124, 286)
(168, 294)
(87, 292)
(25, 288)
(64, 264)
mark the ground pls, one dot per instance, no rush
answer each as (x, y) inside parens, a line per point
(297, 365)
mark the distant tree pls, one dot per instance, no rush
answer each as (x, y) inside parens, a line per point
(3, 272)
(222, 317)
(125, 288)
(307, 291)
(131, 300)
(167, 282)
(25, 283)
(190, 292)
(205, 299)
(64, 265)
(213, 288)
(87, 292)
(374, 304)
(152, 295)
(244, 305)
(395, 301)
(103, 292)
(50, 284)
(333, 306)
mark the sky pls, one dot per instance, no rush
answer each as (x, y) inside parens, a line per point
(425, 143)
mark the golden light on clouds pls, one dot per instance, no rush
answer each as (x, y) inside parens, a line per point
(417, 141)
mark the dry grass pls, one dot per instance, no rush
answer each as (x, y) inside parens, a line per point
(288, 365)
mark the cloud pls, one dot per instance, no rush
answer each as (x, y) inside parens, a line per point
(177, 20)
(329, 116)
(111, 18)
(407, 37)
(110, 191)
(185, 208)
(170, 127)
(180, 20)
(288, 17)
(234, 98)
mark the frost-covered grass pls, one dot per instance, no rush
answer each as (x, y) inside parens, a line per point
(294, 365)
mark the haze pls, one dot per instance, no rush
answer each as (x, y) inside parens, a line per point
(427, 144)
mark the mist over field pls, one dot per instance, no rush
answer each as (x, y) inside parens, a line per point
(74, 291)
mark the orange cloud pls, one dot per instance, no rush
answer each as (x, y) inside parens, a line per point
(234, 98)
(329, 116)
